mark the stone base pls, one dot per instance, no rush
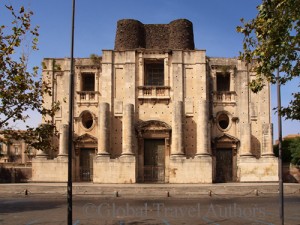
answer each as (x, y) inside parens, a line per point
(196, 170)
(121, 170)
(262, 169)
(55, 170)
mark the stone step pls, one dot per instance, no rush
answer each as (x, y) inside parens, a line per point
(148, 190)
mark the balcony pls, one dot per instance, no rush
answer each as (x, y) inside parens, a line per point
(224, 97)
(87, 97)
(154, 93)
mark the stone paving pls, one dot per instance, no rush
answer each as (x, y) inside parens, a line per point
(91, 210)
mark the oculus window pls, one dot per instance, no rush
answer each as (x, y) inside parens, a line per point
(87, 119)
(223, 121)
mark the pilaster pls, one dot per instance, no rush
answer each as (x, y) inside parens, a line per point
(63, 140)
(103, 129)
(267, 139)
(177, 129)
(127, 130)
(246, 140)
(202, 129)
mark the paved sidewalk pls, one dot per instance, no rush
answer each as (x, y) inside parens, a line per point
(152, 190)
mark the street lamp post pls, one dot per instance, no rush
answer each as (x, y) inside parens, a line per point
(281, 195)
(70, 139)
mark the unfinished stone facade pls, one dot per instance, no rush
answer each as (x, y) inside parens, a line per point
(155, 109)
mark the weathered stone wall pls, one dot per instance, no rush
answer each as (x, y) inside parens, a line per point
(262, 169)
(44, 170)
(120, 170)
(157, 36)
(132, 34)
(196, 170)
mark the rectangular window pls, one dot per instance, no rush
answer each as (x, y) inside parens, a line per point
(223, 82)
(154, 73)
(88, 82)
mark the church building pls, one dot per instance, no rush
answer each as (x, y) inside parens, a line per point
(156, 110)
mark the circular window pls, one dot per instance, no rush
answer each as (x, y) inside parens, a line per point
(223, 121)
(87, 119)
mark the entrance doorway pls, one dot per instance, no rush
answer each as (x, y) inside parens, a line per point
(86, 164)
(224, 167)
(154, 160)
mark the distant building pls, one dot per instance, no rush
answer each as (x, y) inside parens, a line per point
(155, 109)
(290, 136)
(17, 152)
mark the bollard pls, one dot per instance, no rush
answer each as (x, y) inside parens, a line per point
(26, 192)
(256, 192)
(210, 193)
(116, 194)
(168, 194)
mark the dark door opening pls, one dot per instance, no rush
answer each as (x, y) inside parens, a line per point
(86, 164)
(154, 160)
(224, 165)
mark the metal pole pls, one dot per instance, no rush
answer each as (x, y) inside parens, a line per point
(70, 139)
(281, 195)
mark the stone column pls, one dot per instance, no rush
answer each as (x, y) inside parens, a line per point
(177, 129)
(244, 115)
(246, 139)
(63, 140)
(127, 129)
(267, 146)
(202, 129)
(23, 149)
(103, 129)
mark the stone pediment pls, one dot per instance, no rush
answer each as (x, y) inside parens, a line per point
(227, 138)
(86, 138)
(152, 126)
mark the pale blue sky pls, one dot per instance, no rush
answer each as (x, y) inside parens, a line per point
(214, 29)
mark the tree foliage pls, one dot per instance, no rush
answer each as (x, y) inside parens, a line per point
(272, 41)
(290, 150)
(21, 90)
(294, 148)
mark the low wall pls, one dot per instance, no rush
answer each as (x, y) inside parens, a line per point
(264, 169)
(196, 170)
(121, 170)
(54, 170)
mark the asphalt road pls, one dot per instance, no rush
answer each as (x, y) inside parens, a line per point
(48, 210)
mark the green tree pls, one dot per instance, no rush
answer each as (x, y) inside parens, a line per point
(291, 150)
(286, 154)
(294, 148)
(272, 41)
(21, 90)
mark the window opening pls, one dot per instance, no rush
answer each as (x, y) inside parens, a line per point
(223, 121)
(88, 82)
(223, 82)
(87, 120)
(154, 73)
